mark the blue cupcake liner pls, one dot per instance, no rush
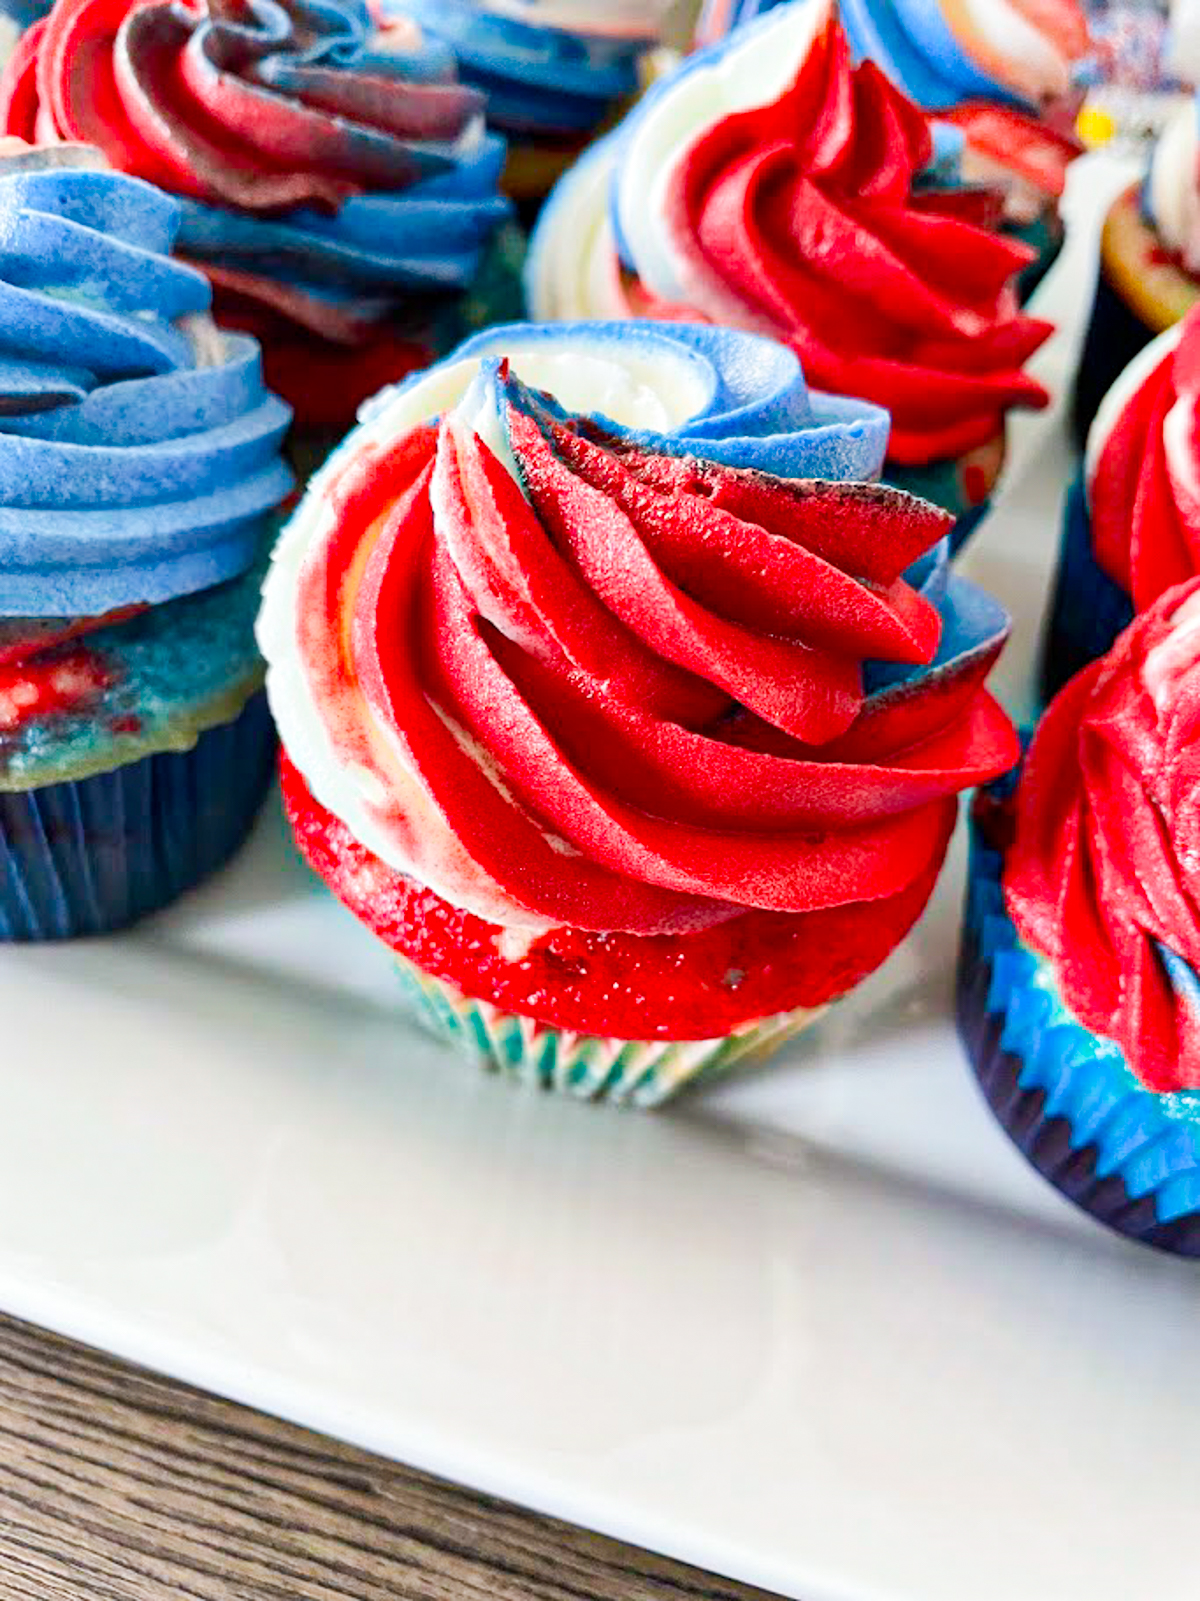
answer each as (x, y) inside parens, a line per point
(97, 854)
(1065, 1096)
(1115, 335)
(1088, 609)
(641, 1073)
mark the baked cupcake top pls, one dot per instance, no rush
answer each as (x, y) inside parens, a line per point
(548, 67)
(1103, 876)
(1143, 468)
(546, 641)
(325, 173)
(139, 450)
(769, 185)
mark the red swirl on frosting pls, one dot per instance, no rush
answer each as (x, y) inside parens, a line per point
(800, 219)
(1105, 866)
(178, 94)
(630, 699)
(1144, 491)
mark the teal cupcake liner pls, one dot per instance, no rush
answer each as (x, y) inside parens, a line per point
(96, 854)
(1066, 1096)
(642, 1073)
(1088, 610)
(1046, 235)
(943, 483)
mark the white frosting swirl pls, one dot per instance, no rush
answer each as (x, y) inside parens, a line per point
(1174, 186)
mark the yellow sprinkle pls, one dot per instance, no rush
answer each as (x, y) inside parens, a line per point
(1095, 126)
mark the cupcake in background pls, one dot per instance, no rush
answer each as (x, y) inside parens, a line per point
(1001, 71)
(1079, 984)
(338, 188)
(769, 185)
(618, 705)
(553, 71)
(139, 476)
(1149, 262)
(1132, 520)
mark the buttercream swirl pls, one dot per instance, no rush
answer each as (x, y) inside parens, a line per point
(1143, 468)
(1171, 194)
(326, 179)
(545, 641)
(770, 185)
(1103, 878)
(139, 450)
(548, 67)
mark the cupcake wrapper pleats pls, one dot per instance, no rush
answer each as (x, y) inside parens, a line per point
(1064, 1095)
(640, 1073)
(96, 854)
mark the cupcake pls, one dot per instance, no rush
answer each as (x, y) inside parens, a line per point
(1079, 995)
(338, 189)
(618, 705)
(139, 472)
(769, 185)
(1132, 521)
(552, 71)
(1001, 72)
(1149, 263)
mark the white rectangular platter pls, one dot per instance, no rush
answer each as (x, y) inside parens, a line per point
(819, 1329)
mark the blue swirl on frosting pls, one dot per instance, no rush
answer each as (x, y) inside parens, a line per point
(755, 410)
(538, 80)
(909, 39)
(139, 450)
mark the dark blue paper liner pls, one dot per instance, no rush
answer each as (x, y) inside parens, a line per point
(1064, 1095)
(1088, 609)
(97, 854)
(1115, 335)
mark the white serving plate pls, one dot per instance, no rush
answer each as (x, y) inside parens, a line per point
(820, 1329)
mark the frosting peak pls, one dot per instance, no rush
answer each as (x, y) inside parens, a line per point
(771, 185)
(1104, 875)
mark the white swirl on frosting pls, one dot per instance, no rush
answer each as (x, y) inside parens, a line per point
(1032, 62)
(571, 271)
(1174, 186)
(1174, 657)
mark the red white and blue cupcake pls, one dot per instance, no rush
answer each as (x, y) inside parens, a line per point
(553, 71)
(1079, 985)
(1001, 71)
(338, 186)
(619, 704)
(139, 474)
(768, 184)
(1132, 520)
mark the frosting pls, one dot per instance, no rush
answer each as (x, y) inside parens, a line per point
(769, 185)
(943, 53)
(1171, 195)
(545, 640)
(326, 178)
(548, 67)
(1143, 468)
(139, 451)
(1103, 874)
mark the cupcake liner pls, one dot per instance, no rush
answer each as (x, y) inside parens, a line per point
(946, 484)
(96, 854)
(641, 1073)
(1045, 235)
(1115, 335)
(1065, 1096)
(1088, 610)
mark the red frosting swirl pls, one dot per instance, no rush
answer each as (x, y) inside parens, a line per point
(1104, 871)
(800, 218)
(1144, 490)
(630, 700)
(208, 101)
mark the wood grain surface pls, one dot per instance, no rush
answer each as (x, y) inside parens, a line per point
(118, 1485)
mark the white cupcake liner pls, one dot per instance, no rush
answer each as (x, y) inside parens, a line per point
(641, 1073)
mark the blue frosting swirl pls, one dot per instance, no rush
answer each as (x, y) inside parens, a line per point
(139, 450)
(538, 80)
(752, 406)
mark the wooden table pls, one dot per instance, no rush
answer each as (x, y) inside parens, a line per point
(117, 1485)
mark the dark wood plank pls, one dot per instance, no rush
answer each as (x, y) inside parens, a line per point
(118, 1485)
